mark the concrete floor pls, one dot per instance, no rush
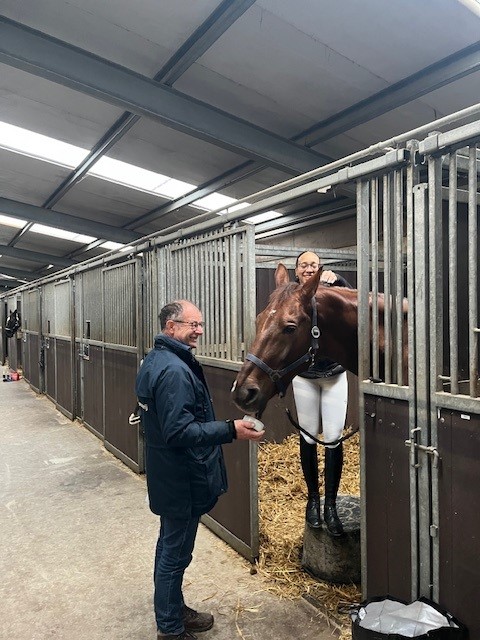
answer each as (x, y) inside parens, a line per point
(77, 544)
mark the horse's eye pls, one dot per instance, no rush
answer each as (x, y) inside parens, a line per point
(290, 328)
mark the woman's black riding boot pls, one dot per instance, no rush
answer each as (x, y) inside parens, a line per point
(333, 473)
(309, 462)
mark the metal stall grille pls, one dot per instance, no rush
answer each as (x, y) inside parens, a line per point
(417, 234)
(386, 380)
(119, 305)
(216, 271)
(449, 200)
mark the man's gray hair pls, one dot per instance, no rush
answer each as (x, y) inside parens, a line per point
(171, 311)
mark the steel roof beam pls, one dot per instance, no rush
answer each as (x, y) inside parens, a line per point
(226, 179)
(196, 45)
(435, 76)
(18, 274)
(47, 57)
(35, 256)
(10, 284)
(424, 81)
(32, 213)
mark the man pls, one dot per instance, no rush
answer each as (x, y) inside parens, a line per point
(184, 461)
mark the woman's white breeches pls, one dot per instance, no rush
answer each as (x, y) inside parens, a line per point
(324, 398)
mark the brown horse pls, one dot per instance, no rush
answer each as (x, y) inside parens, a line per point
(284, 345)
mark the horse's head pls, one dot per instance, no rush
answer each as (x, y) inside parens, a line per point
(283, 337)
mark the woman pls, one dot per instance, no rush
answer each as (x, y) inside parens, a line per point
(321, 392)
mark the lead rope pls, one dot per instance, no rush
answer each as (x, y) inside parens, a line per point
(334, 443)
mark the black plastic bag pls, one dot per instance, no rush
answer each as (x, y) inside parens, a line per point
(389, 618)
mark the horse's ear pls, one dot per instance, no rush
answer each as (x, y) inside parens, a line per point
(311, 285)
(281, 275)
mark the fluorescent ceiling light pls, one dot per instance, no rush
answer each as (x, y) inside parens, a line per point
(214, 201)
(60, 233)
(174, 188)
(36, 145)
(264, 217)
(39, 146)
(12, 222)
(111, 246)
(127, 174)
(473, 5)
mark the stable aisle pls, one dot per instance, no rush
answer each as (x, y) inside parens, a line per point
(78, 542)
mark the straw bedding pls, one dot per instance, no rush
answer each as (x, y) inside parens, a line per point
(282, 500)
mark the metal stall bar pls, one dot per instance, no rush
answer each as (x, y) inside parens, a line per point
(228, 294)
(216, 298)
(375, 267)
(399, 274)
(387, 274)
(411, 180)
(234, 279)
(422, 387)
(363, 243)
(435, 333)
(249, 314)
(474, 329)
(452, 272)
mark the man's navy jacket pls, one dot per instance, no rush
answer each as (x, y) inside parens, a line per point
(184, 460)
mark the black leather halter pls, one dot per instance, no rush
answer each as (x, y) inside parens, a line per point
(276, 375)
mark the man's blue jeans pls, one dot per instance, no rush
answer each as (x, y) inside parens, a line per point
(173, 555)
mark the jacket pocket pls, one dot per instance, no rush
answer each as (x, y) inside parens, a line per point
(216, 473)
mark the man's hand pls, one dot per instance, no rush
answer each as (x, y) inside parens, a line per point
(245, 431)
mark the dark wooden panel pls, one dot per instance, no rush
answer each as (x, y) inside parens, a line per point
(233, 509)
(50, 369)
(12, 353)
(459, 517)
(387, 498)
(77, 384)
(120, 373)
(64, 375)
(34, 356)
(26, 356)
(93, 390)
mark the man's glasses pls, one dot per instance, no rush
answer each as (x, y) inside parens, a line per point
(193, 325)
(305, 265)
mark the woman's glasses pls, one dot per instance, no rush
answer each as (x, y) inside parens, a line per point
(313, 265)
(193, 324)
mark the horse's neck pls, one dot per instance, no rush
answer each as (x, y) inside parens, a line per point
(338, 322)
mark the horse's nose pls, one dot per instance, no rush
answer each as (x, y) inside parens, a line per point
(246, 396)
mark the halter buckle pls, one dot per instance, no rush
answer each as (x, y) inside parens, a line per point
(315, 332)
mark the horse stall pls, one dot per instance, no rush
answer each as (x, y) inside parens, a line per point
(418, 362)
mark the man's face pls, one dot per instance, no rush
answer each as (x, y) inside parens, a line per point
(187, 327)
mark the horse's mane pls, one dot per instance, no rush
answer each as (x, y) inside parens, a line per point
(283, 292)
